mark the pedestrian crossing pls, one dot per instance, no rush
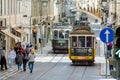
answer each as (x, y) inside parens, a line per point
(4, 75)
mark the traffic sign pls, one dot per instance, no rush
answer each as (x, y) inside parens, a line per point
(107, 35)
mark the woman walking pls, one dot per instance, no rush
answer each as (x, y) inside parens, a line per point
(11, 56)
(31, 57)
(19, 60)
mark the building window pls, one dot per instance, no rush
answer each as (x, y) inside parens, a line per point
(1, 23)
(0, 7)
(32, 11)
(8, 7)
(4, 7)
(18, 6)
(11, 6)
(14, 6)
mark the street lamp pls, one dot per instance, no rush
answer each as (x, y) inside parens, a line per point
(63, 8)
(105, 10)
(58, 3)
(35, 36)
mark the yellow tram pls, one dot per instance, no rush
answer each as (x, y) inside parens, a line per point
(82, 46)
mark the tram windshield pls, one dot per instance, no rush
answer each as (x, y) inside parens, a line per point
(60, 34)
(82, 41)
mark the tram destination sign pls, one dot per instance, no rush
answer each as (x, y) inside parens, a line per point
(61, 41)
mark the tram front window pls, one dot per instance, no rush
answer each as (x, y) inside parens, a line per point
(89, 42)
(61, 35)
(55, 34)
(81, 41)
(74, 41)
(67, 34)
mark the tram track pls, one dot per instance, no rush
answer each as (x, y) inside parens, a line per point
(25, 76)
(83, 74)
(55, 61)
(83, 71)
(75, 70)
(71, 73)
(38, 78)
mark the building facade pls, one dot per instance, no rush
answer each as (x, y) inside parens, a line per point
(18, 18)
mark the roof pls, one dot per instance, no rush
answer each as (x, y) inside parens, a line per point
(20, 31)
(10, 34)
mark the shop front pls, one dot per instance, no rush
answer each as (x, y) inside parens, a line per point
(22, 34)
(8, 40)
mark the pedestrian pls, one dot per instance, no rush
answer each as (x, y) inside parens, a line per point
(110, 63)
(3, 62)
(3, 59)
(109, 47)
(19, 60)
(11, 57)
(31, 57)
(16, 48)
(25, 59)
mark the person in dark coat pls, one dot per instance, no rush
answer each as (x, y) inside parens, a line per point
(19, 61)
(25, 59)
(3, 62)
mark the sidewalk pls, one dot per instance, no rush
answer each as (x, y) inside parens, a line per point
(103, 67)
(4, 75)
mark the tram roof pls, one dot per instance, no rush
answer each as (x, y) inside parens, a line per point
(62, 25)
(82, 32)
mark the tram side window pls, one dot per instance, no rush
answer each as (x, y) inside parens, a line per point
(74, 41)
(67, 34)
(89, 42)
(55, 34)
(81, 41)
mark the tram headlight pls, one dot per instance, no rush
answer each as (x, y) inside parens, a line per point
(89, 50)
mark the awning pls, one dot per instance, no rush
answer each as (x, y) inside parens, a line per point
(10, 34)
(20, 31)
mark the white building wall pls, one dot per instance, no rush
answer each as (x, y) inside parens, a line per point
(26, 10)
(26, 7)
(118, 11)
